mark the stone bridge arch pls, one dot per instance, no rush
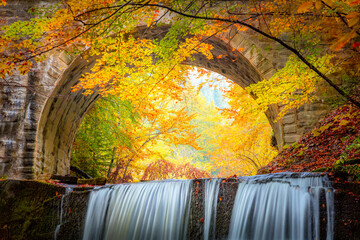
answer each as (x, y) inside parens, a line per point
(38, 123)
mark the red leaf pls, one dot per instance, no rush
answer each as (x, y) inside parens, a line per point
(356, 44)
(355, 2)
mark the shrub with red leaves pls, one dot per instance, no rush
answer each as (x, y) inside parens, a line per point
(162, 169)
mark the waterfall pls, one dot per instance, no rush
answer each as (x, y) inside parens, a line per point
(152, 210)
(279, 207)
(68, 190)
(211, 198)
(286, 206)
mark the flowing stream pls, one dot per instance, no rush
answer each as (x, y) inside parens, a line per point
(267, 207)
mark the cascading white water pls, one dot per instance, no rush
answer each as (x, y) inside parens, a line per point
(267, 207)
(152, 210)
(211, 197)
(277, 207)
(68, 190)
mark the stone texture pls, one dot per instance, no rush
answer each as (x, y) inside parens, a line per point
(31, 210)
(291, 138)
(226, 199)
(347, 211)
(289, 119)
(197, 211)
(288, 129)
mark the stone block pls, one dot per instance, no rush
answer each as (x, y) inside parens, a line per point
(30, 136)
(306, 117)
(30, 146)
(53, 72)
(27, 170)
(28, 176)
(2, 168)
(249, 53)
(6, 160)
(28, 155)
(65, 57)
(263, 63)
(290, 129)
(11, 115)
(291, 138)
(238, 41)
(17, 104)
(28, 162)
(8, 128)
(288, 119)
(258, 58)
(30, 126)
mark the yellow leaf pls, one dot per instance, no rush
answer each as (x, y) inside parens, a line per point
(316, 133)
(353, 21)
(305, 7)
(328, 2)
(318, 5)
(343, 122)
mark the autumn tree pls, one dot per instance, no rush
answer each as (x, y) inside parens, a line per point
(102, 131)
(243, 143)
(118, 139)
(235, 138)
(299, 26)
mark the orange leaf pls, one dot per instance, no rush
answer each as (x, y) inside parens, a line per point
(343, 41)
(328, 2)
(353, 18)
(318, 5)
(305, 7)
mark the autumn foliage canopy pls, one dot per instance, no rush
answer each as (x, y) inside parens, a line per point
(144, 83)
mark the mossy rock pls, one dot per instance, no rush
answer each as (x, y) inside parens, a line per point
(31, 210)
(28, 209)
(93, 181)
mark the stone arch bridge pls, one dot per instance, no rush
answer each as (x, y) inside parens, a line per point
(38, 123)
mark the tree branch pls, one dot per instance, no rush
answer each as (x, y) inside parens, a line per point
(282, 43)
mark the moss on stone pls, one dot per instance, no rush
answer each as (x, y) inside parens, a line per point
(31, 210)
